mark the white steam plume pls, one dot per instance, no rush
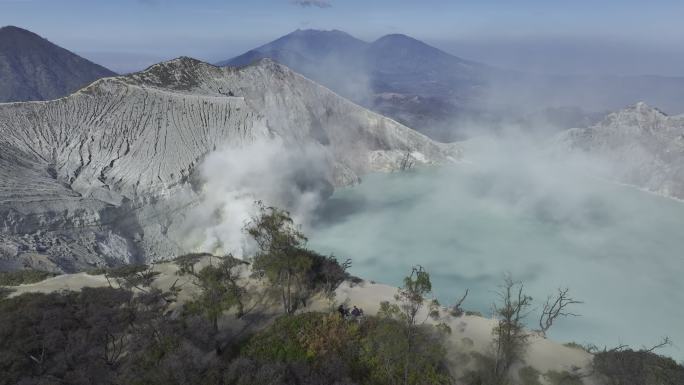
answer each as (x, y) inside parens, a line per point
(292, 177)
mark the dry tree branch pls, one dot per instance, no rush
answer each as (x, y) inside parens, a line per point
(556, 307)
(456, 309)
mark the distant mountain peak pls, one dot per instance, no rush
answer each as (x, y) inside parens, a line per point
(15, 29)
(410, 45)
(638, 112)
(12, 37)
(179, 62)
(33, 68)
(328, 39)
(643, 107)
(399, 37)
(305, 32)
(301, 46)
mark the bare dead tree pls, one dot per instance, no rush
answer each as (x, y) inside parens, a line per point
(456, 309)
(666, 341)
(510, 337)
(555, 307)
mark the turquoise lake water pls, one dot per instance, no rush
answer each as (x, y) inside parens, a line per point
(618, 249)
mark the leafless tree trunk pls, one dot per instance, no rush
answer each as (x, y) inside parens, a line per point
(457, 310)
(509, 335)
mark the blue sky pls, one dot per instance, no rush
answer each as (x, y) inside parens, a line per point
(625, 36)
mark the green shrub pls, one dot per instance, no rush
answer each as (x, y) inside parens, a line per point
(318, 345)
(5, 292)
(562, 378)
(186, 263)
(94, 336)
(129, 276)
(529, 376)
(641, 367)
(21, 277)
(305, 337)
(484, 371)
(575, 345)
(97, 271)
(118, 271)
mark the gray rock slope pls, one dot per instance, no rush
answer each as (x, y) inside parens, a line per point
(32, 68)
(639, 145)
(102, 175)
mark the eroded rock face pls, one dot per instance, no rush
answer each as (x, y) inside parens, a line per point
(639, 145)
(103, 175)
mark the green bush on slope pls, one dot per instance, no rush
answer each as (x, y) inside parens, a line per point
(640, 367)
(327, 346)
(22, 277)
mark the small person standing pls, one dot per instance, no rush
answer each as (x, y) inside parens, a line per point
(343, 311)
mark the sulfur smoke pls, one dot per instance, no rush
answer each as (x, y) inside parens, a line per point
(294, 177)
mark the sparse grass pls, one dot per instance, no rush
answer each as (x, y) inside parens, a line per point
(21, 277)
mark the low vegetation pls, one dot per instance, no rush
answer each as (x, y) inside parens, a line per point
(5, 292)
(623, 366)
(311, 347)
(529, 376)
(22, 277)
(293, 273)
(134, 333)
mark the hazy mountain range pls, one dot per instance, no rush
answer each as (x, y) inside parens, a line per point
(395, 75)
(32, 68)
(439, 94)
(448, 97)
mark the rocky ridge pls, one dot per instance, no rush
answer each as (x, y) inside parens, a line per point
(639, 145)
(102, 176)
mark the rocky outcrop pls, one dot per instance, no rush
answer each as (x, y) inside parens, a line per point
(101, 176)
(639, 145)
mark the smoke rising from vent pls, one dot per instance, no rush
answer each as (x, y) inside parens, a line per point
(290, 176)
